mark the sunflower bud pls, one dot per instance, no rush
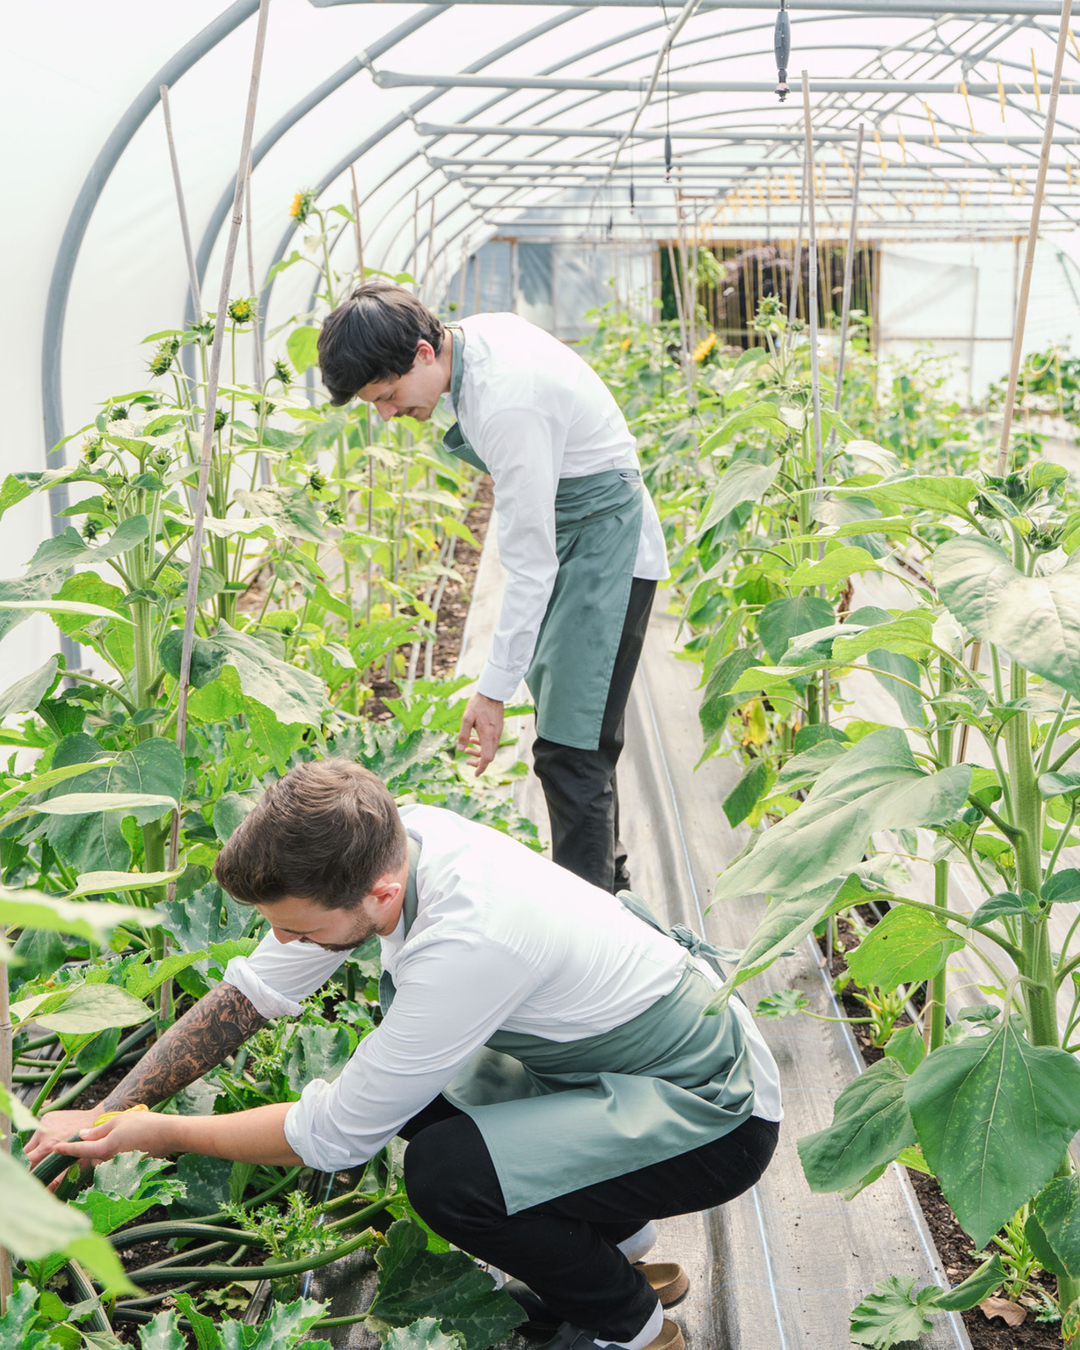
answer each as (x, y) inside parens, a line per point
(92, 450)
(283, 373)
(117, 413)
(316, 481)
(90, 530)
(163, 357)
(333, 516)
(242, 310)
(220, 418)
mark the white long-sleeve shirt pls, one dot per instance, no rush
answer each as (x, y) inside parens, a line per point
(503, 940)
(535, 412)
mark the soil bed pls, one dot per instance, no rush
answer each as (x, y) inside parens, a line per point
(453, 610)
(956, 1249)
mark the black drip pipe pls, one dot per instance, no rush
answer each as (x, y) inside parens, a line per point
(782, 47)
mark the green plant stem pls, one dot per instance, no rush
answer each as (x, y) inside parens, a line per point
(937, 989)
(54, 1078)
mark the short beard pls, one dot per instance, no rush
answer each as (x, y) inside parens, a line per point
(365, 933)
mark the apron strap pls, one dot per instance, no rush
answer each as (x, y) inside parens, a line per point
(684, 936)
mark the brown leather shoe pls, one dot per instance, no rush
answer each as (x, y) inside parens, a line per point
(668, 1280)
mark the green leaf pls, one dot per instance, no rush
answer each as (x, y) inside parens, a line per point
(144, 782)
(17, 1329)
(783, 619)
(994, 1116)
(415, 1283)
(1063, 887)
(784, 1003)
(93, 1008)
(284, 1327)
(37, 1225)
(125, 1187)
(207, 658)
(1060, 784)
(25, 694)
(303, 348)
(941, 494)
(95, 803)
(230, 809)
(747, 792)
(89, 919)
(787, 922)
(316, 1052)
(206, 1336)
(19, 1115)
(906, 1046)
(1035, 620)
(97, 883)
(870, 1126)
(718, 700)
(873, 786)
(424, 1334)
(63, 607)
(907, 945)
(1053, 1227)
(289, 507)
(742, 481)
(1000, 906)
(889, 1316)
(908, 635)
(162, 1333)
(835, 566)
(292, 694)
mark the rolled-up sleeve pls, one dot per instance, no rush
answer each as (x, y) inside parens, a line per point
(278, 974)
(451, 996)
(524, 451)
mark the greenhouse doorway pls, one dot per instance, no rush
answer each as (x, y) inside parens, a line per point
(734, 276)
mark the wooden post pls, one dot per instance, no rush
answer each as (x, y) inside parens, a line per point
(216, 347)
(356, 226)
(193, 275)
(812, 306)
(1003, 459)
(796, 271)
(849, 272)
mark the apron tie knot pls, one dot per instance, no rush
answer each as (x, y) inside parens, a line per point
(697, 946)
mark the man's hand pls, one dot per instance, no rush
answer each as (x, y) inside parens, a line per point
(481, 731)
(142, 1130)
(56, 1128)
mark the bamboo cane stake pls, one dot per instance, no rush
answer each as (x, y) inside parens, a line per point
(796, 271)
(193, 275)
(256, 327)
(849, 273)
(812, 306)
(1032, 240)
(216, 348)
(6, 1059)
(356, 226)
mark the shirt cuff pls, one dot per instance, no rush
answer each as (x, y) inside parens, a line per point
(267, 1002)
(302, 1137)
(497, 683)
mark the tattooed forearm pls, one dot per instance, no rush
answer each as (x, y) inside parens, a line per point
(217, 1025)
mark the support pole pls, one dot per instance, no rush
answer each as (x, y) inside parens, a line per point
(849, 273)
(189, 253)
(216, 347)
(1003, 459)
(256, 327)
(796, 270)
(356, 226)
(812, 306)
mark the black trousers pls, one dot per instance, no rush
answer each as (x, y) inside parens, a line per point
(565, 1249)
(579, 785)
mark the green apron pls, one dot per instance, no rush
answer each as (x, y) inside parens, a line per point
(556, 1116)
(597, 527)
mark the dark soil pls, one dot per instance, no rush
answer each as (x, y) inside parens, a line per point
(453, 610)
(956, 1249)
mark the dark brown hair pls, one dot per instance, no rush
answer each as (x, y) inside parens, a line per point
(372, 337)
(325, 832)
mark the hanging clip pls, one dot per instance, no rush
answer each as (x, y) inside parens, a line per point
(667, 156)
(782, 47)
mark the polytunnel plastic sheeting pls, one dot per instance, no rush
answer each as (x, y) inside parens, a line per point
(450, 114)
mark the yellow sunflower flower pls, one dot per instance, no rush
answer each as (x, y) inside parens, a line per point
(704, 347)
